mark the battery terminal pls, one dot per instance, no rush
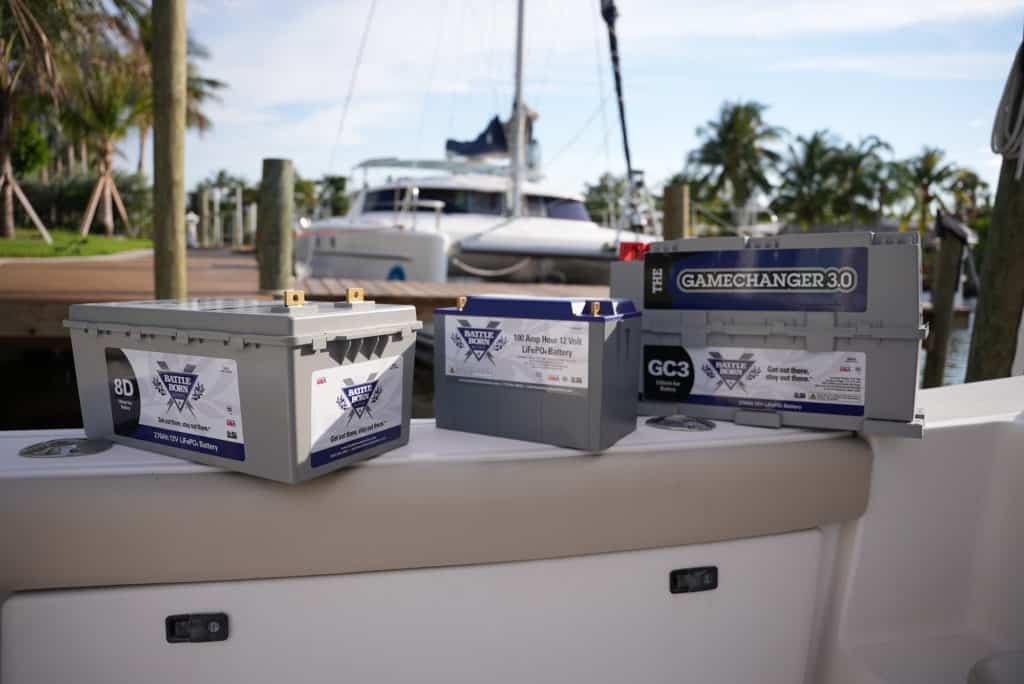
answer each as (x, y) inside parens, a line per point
(595, 308)
(353, 294)
(460, 303)
(294, 297)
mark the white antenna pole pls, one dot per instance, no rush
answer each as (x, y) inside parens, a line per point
(519, 121)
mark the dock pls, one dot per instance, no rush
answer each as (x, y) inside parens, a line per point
(428, 296)
(35, 295)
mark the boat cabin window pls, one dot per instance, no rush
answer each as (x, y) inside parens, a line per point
(455, 201)
(380, 200)
(465, 201)
(556, 208)
(479, 202)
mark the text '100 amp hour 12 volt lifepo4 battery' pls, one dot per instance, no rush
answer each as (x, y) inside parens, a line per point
(559, 371)
(283, 390)
(814, 330)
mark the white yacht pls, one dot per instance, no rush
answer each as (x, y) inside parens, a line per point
(429, 228)
(479, 219)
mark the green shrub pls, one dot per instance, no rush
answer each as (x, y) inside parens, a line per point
(62, 201)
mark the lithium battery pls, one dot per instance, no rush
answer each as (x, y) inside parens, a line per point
(559, 371)
(285, 390)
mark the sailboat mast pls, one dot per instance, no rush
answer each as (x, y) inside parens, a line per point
(519, 122)
(610, 13)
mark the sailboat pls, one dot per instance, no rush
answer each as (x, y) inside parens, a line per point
(474, 217)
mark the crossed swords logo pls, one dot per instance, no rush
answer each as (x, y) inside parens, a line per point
(359, 397)
(730, 372)
(180, 385)
(479, 341)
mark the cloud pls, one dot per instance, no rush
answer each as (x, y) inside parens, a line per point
(289, 67)
(784, 18)
(917, 67)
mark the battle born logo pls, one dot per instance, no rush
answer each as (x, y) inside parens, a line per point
(182, 387)
(731, 372)
(479, 343)
(360, 397)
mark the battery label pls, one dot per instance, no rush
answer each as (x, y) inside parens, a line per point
(518, 350)
(354, 407)
(179, 400)
(822, 279)
(758, 379)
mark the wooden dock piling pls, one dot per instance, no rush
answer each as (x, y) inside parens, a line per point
(204, 218)
(945, 285)
(676, 198)
(274, 224)
(169, 75)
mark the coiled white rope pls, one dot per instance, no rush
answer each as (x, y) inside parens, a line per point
(1007, 129)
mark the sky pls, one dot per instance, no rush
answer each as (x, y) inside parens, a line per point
(914, 72)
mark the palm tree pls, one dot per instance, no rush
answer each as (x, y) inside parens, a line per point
(104, 98)
(970, 193)
(894, 189)
(929, 177)
(809, 179)
(604, 198)
(705, 200)
(29, 33)
(861, 170)
(734, 152)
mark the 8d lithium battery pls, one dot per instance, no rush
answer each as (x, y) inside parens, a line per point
(560, 371)
(285, 391)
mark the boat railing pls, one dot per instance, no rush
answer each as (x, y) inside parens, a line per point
(408, 205)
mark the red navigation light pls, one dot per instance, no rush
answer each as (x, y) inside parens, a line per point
(633, 251)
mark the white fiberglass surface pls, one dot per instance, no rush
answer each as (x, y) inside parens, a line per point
(931, 582)
(427, 443)
(595, 619)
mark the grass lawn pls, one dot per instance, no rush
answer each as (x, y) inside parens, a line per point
(29, 243)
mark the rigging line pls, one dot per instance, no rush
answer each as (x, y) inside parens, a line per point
(600, 87)
(352, 83)
(461, 44)
(493, 65)
(583, 129)
(541, 85)
(433, 73)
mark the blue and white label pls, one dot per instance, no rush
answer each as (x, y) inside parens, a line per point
(179, 400)
(779, 379)
(354, 407)
(822, 279)
(517, 350)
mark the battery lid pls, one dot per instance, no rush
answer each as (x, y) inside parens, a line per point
(548, 308)
(250, 316)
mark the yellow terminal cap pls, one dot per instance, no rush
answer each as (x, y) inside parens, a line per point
(294, 297)
(353, 294)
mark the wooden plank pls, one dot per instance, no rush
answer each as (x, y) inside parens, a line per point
(331, 286)
(314, 288)
(34, 296)
(33, 320)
